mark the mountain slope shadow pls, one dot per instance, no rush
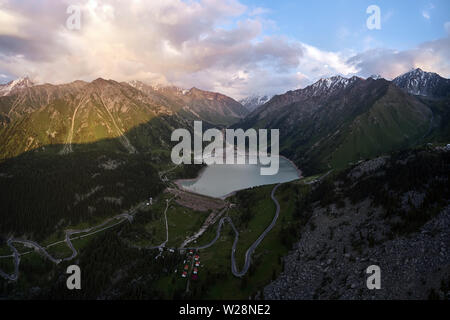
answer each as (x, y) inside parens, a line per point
(43, 191)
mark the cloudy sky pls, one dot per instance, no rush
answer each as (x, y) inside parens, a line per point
(237, 47)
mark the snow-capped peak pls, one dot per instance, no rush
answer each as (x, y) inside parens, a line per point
(417, 74)
(375, 77)
(329, 85)
(419, 82)
(15, 85)
(156, 87)
(254, 101)
(140, 85)
(135, 84)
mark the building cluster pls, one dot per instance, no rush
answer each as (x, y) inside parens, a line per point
(192, 263)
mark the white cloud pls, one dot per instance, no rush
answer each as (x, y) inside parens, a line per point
(168, 41)
(433, 56)
(426, 12)
(259, 11)
(447, 27)
(322, 63)
(387, 16)
(11, 23)
(217, 45)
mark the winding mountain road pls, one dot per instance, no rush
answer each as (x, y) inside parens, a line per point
(16, 256)
(69, 233)
(203, 229)
(162, 245)
(252, 248)
(129, 217)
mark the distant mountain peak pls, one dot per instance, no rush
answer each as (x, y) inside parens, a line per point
(418, 72)
(254, 101)
(101, 81)
(156, 87)
(375, 77)
(422, 83)
(15, 85)
(209, 106)
(135, 83)
(331, 84)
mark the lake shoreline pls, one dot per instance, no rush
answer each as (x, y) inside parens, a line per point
(299, 172)
(179, 182)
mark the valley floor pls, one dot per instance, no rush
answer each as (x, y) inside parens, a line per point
(308, 239)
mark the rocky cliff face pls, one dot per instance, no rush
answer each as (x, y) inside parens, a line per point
(374, 215)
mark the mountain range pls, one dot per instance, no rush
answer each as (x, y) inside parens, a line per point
(34, 116)
(337, 121)
(77, 153)
(330, 123)
(208, 106)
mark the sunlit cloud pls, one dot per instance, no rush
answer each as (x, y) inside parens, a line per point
(218, 45)
(430, 56)
(170, 41)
